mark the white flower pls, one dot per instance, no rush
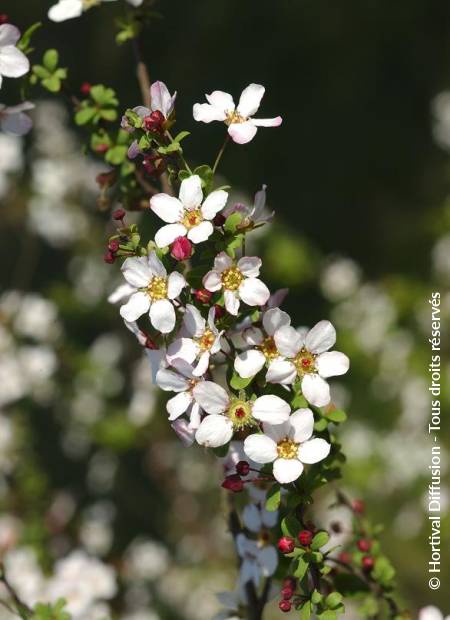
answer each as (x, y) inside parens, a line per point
(13, 62)
(153, 291)
(181, 380)
(238, 281)
(13, 120)
(68, 9)
(256, 518)
(250, 362)
(257, 561)
(288, 446)
(229, 413)
(431, 613)
(160, 101)
(186, 215)
(241, 126)
(203, 341)
(309, 360)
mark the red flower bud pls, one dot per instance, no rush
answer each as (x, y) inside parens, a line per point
(113, 245)
(368, 563)
(287, 593)
(155, 121)
(219, 220)
(202, 295)
(358, 506)
(104, 179)
(85, 88)
(290, 582)
(181, 248)
(149, 344)
(233, 483)
(345, 557)
(305, 537)
(364, 545)
(285, 605)
(101, 148)
(219, 312)
(119, 214)
(109, 257)
(286, 544)
(4, 19)
(243, 468)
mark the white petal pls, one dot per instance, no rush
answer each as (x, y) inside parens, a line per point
(430, 613)
(177, 405)
(214, 203)
(65, 9)
(250, 266)
(254, 292)
(271, 409)
(201, 232)
(288, 341)
(207, 113)
(251, 518)
(16, 124)
(241, 133)
(249, 363)
(267, 122)
(162, 316)
(167, 234)
(183, 348)
(222, 262)
(175, 284)
(232, 302)
(171, 381)
(302, 425)
(277, 432)
(193, 321)
(214, 431)
(202, 365)
(191, 194)
(183, 367)
(314, 450)
(160, 97)
(221, 100)
(274, 319)
(168, 208)
(194, 415)
(211, 397)
(287, 470)
(250, 99)
(136, 271)
(253, 336)
(260, 448)
(321, 337)
(9, 35)
(13, 62)
(184, 432)
(281, 371)
(136, 306)
(155, 265)
(268, 560)
(212, 281)
(332, 364)
(316, 390)
(269, 518)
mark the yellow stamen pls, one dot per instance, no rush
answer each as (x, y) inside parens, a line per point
(234, 117)
(206, 341)
(240, 413)
(157, 288)
(305, 362)
(232, 278)
(192, 218)
(287, 449)
(269, 348)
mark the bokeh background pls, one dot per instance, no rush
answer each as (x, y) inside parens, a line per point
(359, 177)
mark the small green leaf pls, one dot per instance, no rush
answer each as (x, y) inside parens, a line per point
(337, 416)
(238, 383)
(50, 60)
(383, 571)
(302, 567)
(273, 498)
(333, 600)
(116, 155)
(299, 402)
(316, 597)
(25, 40)
(305, 611)
(319, 540)
(84, 115)
(321, 425)
(327, 615)
(232, 222)
(52, 83)
(108, 114)
(221, 451)
(290, 526)
(40, 71)
(181, 136)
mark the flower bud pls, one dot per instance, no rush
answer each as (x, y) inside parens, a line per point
(305, 537)
(119, 214)
(358, 506)
(243, 468)
(105, 179)
(202, 295)
(368, 563)
(233, 483)
(85, 88)
(109, 257)
(285, 605)
(155, 121)
(4, 19)
(364, 545)
(219, 220)
(286, 544)
(345, 557)
(113, 245)
(219, 311)
(287, 593)
(290, 582)
(181, 248)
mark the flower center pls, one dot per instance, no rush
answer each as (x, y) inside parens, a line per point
(240, 413)
(88, 4)
(269, 348)
(157, 288)
(192, 218)
(305, 362)
(232, 278)
(287, 449)
(234, 117)
(206, 341)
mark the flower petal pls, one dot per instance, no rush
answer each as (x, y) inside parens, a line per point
(222, 262)
(267, 122)
(260, 448)
(168, 208)
(253, 336)
(268, 560)
(13, 62)
(288, 341)
(136, 271)
(193, 321)
(175, 284)
(214, 203)
(277, 432)
(254, 292)
(241, 133)
(201, 232)
(177, 405)
(232, 302)
(274, 319)
(207, 113)
(16, 124)
(302, 425)
(249, 363)
(202, 365)
(162, 316)
(250, 100)
(167, 234)
(251, 517)
(183, 348)
(171, 381)
(250, 266)
(211, 397)
(9, 34)
(159, 94)
(332, 364)
(271, 409)
(212, 281)
(314, 450)
(191, 194)
(321, 337)
(136, 306)
(65, 9)
(214, 431)
(281, 371)
(155, 265)
(221, 100)
(287, 470)
(316, 390)
(184, 432)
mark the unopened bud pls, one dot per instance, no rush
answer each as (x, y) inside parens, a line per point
(4, 19)
(358, 506)
(219, 311)
(286, 544)
(202, 295)
(155, 121)
(181, 248)
(233, 483)
(368, 563)
(285, 605)
(305, 538)
(109, 257)
(118, 214)
(243, 468)
(364, 545)
(113, 245)
(85, 88)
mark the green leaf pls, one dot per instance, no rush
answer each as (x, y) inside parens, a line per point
(302, 567)
(144, 143)
(103, 96)
(181, 136)
(116, 155)
(290, 526)
(84, 115)
(299, 402)
(327, 615)
(232, 222)
(108, 115)
(52, 83)
(337, 416)
(305, 611)
(319, 540)
(25, 40)
(333, 600)
(40, 72)
(239, 383)
(320, 425)
(236, 242)
(50, 60)
(316, 597)
(273, 498)
(206, 175)
(383, 571)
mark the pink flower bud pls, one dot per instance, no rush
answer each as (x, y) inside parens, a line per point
(181, 248)
(364, 545)
(285, 605)
(358, 506)
(305, 537)
(243, 468)
(109, 257)
(85, 88)
(155, 121)
(4, 19)
(113, 245)
(233, 483)
(286, 544)
(119, 214)
(202, 295)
